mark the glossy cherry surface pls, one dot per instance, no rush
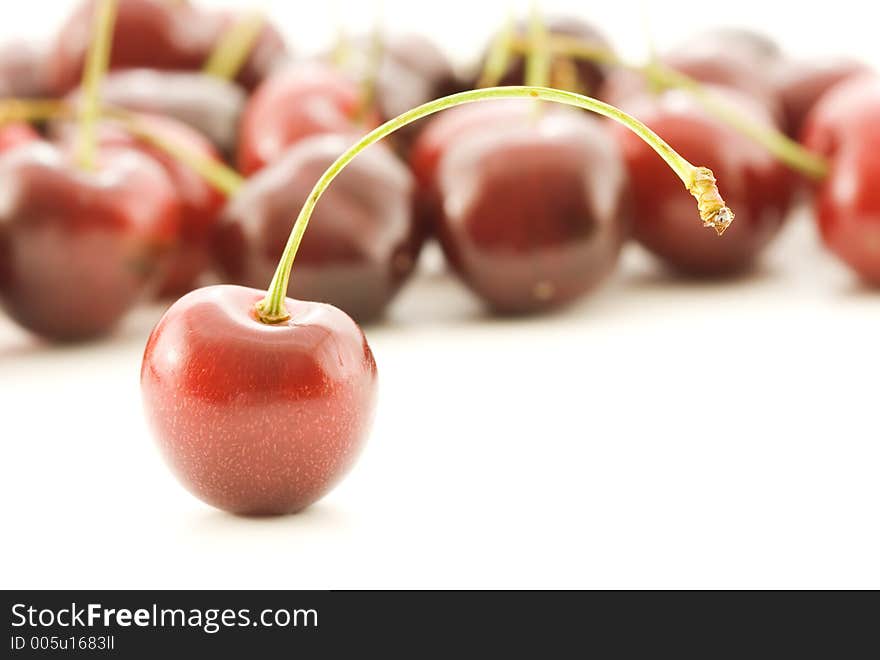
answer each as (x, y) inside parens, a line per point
(200, 202)
(802, 83)
(208, 104)
(362, 242)
(157, 34)
(444, 131)
(255, 418)
(296, 102)
(533, 214)
(147, 33)
(843, 127)
(79, 249)
(754, 184)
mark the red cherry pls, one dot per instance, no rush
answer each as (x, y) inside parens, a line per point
(208, 104)
(157, 34)
(255, 418)
(79, 248)
(362, 242)
(754, 184)
(299, 101)
(843, 127)
(843, 114)
(16, 134)
(589, 75)
(533, 213)
(802, 84)
(459, 123)
(200, 202)
(267, 53)
(147, 33)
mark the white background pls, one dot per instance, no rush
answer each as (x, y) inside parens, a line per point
(661, 434)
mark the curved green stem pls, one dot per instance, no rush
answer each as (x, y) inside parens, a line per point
(96, 66)
(698, 180)
(233, 48)
(780, 145)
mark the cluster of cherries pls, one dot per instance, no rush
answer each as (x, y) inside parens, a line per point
(214, 137)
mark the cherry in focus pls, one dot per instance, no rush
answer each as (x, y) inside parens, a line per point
(533, 214)
(754, 184)
(255, 418)
(362, 242)
(296, 102)
(78, 248)
(843, 127)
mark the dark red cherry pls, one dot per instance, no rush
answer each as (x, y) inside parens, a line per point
(588, 76)
(155, 34)
(534, 214)
(79, 249)
(253, 418)
(200, 202)
(15, 134)
(802, 84)
(267, 53)
(446, 129)
(362, 242)
(23, 70)
(412, 71)
(298, 101)
(208, 104)
(844, 128)
(754, 184)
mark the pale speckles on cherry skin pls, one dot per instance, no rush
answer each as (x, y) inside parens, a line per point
(255, 418)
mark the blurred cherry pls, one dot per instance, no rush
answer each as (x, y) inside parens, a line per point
(23, 70)
(588, 76)
(742, 44)
(255, 418)
(843, 127)
(534, 213)
(362, 242)
(802, 83)
(206, 103)
(15, 134)
(79, 248)
(267, 53)
(298, 101)
(200, 202)
(755, 185)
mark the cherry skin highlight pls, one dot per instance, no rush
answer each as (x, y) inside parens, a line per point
(200, 202)
(79, 249)
(207, 104)
(758, 186)
(298, 101)
(534, 215)
(22, 70)
(843, 127)
(363, 240)
(257, 419)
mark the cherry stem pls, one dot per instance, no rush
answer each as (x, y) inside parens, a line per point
(97, 62)
(31, 110)
(698, 180)
(370, 79)
(537, 72)
(498, 59)
(233, 48)
(782, 147)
